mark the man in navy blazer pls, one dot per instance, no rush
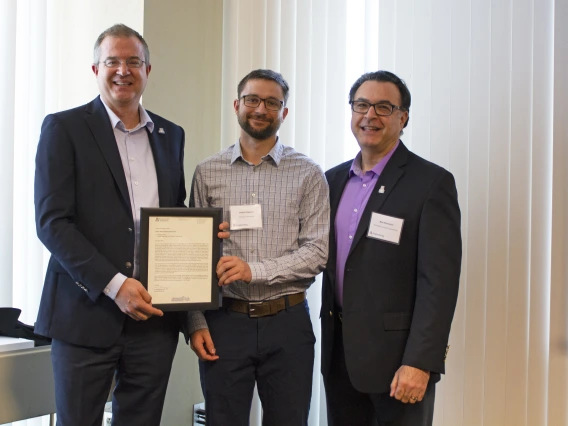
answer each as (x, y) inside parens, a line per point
(96, 165)
(391, 283)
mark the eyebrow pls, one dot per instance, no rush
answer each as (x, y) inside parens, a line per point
(270, 97)
(130, 57)
(382, 101)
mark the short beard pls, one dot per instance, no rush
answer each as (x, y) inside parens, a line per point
(263, 134)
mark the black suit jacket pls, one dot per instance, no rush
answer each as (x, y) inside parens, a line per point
(398, 300)
(84, 218)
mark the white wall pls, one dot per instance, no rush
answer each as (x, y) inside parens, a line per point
(185, 40)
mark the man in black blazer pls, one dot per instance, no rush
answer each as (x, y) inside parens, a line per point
(96, 165)
(391, 283)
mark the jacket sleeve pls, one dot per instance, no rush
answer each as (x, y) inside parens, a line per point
(438, 273)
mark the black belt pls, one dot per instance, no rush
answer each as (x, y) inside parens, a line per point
(263, 309)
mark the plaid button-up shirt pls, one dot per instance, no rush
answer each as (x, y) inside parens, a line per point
(291, 248)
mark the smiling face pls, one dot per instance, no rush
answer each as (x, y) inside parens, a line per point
(259, 122)
(377, 134)
(121, 88)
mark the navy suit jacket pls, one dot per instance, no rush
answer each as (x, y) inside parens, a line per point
(84, 218)
(398, 300)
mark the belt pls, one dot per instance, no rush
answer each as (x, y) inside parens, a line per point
(263, 309)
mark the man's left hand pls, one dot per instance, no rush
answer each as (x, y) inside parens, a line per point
(409, 384)
(232, 268)
(224, 231)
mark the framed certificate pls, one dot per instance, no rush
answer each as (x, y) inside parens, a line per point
(179, 251)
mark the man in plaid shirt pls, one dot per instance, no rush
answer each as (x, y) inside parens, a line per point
(277, 203)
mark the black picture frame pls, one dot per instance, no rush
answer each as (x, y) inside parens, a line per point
(165, 215)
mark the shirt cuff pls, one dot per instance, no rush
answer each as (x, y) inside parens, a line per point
(196, 321)
(114, 285)
(258, 272)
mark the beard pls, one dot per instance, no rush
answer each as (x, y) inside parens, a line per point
(260, 134)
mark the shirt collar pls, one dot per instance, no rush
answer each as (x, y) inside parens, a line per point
(275, 153)
(356, 169)
(116, 122)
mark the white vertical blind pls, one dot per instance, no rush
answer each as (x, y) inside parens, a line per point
(489, 104)
(7, 94)
(29, 110)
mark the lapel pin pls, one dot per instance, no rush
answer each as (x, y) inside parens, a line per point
(161, 131)
(382, 189)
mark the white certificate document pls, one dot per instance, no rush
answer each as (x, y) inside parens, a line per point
(246, 217)
(385, 228)
(179, 259)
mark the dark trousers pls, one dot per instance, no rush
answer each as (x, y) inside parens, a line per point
(141, 360)
(276, 352)
(346, 406)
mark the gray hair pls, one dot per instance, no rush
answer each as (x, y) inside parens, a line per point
(120, 30)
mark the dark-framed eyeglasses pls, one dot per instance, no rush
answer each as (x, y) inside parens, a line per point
(384, 109)
(116, 63)
(253, 101)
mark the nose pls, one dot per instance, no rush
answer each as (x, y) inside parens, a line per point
(261, 108)
(371, 113)
(123, 69)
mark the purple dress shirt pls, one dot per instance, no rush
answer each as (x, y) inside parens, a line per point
(353, 201)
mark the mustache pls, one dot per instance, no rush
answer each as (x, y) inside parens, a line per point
(257, 116)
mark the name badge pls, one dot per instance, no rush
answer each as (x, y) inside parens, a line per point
(246, 217)
(385, 228)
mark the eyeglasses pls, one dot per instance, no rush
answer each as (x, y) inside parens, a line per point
(252, 101)
(383, 109)
(116, 63)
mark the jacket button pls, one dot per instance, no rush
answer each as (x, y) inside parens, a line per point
(128, 265)
(129, 230)
(330, 313)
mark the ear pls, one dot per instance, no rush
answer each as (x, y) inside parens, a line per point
(236, 104)
(95, 69)
(403, 118)
(284, 113)
(148, 69)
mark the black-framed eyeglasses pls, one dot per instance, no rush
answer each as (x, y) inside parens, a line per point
(253, 101)
(384, 109)
(116, 63)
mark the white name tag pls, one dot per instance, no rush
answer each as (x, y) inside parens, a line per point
(385, 228)
(246, 217)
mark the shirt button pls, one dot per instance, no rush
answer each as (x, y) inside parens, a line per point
(350, 237)
(253, 194)
(129, 230)
(364, 185)
(355, 210)
(128, 265)
(136, 182)
(131, 158)
(252, 251)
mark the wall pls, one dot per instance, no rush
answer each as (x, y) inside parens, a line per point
(185, 40)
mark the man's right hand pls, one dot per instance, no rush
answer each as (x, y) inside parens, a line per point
(202, 345)
(135, 301)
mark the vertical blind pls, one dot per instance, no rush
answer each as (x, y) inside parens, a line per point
(489, 104)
